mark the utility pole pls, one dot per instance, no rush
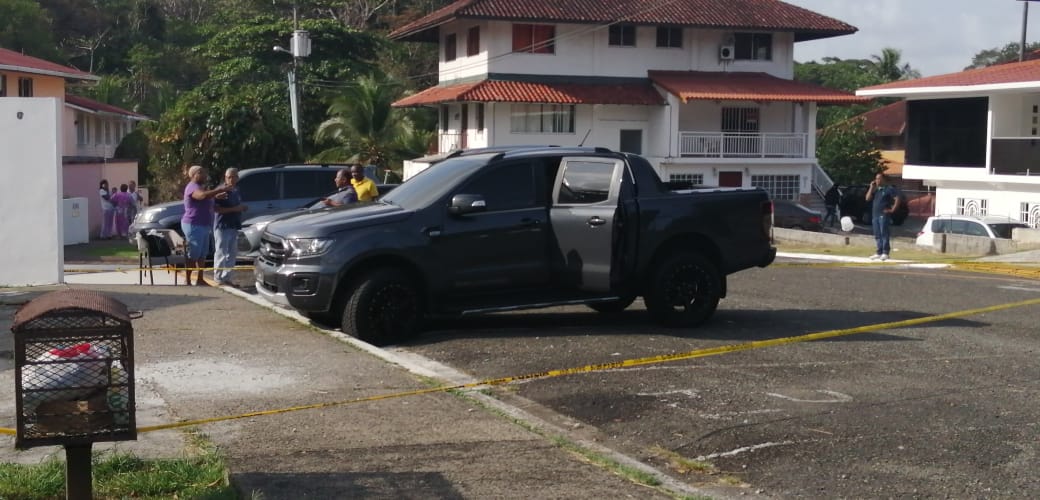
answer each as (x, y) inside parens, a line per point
(1025, 22)
(299, 47)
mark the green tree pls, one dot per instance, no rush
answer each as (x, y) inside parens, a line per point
(362, 126)
(847, 152)
(25, 27)
(889, 66)
(1000, 55)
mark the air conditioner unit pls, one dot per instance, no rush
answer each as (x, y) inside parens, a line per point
(726, 52)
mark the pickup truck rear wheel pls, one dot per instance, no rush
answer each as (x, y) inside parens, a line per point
(684, 291)
(385, 308)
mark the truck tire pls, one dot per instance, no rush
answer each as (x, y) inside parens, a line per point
(328, 318)
(385, 308)
(684, 290)
(612, 306)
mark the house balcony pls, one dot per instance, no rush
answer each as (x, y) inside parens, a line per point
(1016, 155)
(743, 145)
(450, 141)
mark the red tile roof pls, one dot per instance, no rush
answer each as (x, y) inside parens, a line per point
(101, 107)
(769, 15)
(14, 61)
(887, 120)
(1016, 72)
(534, 92)
(741, 86)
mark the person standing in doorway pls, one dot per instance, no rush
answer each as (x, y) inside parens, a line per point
(197, 221)
(364, 187)
(345, 193)
(885, 199)
(225, 232)
(108, 210)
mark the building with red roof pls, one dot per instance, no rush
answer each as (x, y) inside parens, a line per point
(704, 89)
(90, 130)
(975, 137)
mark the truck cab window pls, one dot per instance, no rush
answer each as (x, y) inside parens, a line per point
(585, 182)
(507, 187)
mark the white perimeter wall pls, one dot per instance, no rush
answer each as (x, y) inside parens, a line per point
(1006, 202)
(31, 193)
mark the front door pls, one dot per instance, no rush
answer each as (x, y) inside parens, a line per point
(731, 179)
(585, 202)
(464, 127)
(505, 246)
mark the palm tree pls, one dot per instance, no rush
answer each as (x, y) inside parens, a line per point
(362, 124)
(889, 67)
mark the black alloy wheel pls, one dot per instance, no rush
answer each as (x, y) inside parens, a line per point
(684, 291)
(612, 306)
(385, 308)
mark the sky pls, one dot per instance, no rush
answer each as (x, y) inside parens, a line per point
(934, 36)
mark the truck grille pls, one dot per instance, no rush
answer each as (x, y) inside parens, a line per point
(272, 250)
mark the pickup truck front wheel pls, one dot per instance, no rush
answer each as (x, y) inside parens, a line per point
(684, 291)
(385, 308)
(612, 306)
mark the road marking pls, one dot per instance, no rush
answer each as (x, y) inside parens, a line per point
(1020, 288)
(735, 414)
(836, 397)
(744, 449)
(686, 392)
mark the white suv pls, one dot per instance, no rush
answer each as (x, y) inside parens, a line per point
(988, 226)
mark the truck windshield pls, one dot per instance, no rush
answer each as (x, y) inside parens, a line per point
(435, 182)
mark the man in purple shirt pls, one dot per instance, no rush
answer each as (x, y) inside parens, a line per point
(197, 222)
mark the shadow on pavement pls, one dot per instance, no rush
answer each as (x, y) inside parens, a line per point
(352, 485)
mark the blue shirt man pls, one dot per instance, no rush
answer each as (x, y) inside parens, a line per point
(226, 225)
(885, 199)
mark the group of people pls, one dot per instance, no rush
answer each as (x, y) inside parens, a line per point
(119, 206)
(218, 212)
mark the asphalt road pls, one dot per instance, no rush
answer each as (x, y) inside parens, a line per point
(943, 409)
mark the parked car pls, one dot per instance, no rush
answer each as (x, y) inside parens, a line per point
(854, 204)
(252, 227)
(987, 226)
(264, 189)
(791, 215)
(520, 228)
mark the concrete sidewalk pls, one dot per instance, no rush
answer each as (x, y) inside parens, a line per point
(206, 352)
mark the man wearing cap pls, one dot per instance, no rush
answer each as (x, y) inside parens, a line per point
(197, 221)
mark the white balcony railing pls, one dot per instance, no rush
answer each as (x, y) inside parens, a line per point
(742, 145)
(450, 141)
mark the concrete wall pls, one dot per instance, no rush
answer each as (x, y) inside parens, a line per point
(80, 180)
(30, 196)
(954, 243)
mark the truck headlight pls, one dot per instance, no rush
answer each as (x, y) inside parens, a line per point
(149, 215)
(308, 247)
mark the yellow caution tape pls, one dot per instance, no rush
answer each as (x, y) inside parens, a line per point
(164, 268)
(698, 353)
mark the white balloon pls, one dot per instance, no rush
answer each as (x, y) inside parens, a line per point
(846, 224)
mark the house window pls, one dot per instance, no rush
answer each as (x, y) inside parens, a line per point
(542, 118)
(25, 87)
(82, 133)
(669, 36)
(97, 133)
(779, 187)
(473, 41)
(480, 116)
(622, 35)
(1030, 214)
(972, 206)
(534, 38)
(693, 179)
(108, 133)
(3, 85)
(753, 46)
(444, 118)
(740, 120)
(449, 48)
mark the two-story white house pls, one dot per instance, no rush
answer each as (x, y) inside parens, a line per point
(975, 137)
(90, 130)
(703, 88)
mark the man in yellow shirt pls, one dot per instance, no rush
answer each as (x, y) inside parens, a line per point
(365, 188)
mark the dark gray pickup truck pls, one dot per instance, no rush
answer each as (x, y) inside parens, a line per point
(514, 228)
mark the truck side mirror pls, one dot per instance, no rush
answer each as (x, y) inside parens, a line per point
(462, 204)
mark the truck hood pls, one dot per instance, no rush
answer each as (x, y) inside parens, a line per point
(326, 222)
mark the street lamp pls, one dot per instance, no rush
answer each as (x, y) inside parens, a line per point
(300, 47)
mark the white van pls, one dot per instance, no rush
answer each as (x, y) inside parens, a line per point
(969, 225)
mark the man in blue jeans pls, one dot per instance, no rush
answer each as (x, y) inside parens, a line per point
(886, 200)
(225, 235)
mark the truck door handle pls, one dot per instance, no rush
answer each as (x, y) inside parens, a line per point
(596, 220)
(432, 232)
(529, 222)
